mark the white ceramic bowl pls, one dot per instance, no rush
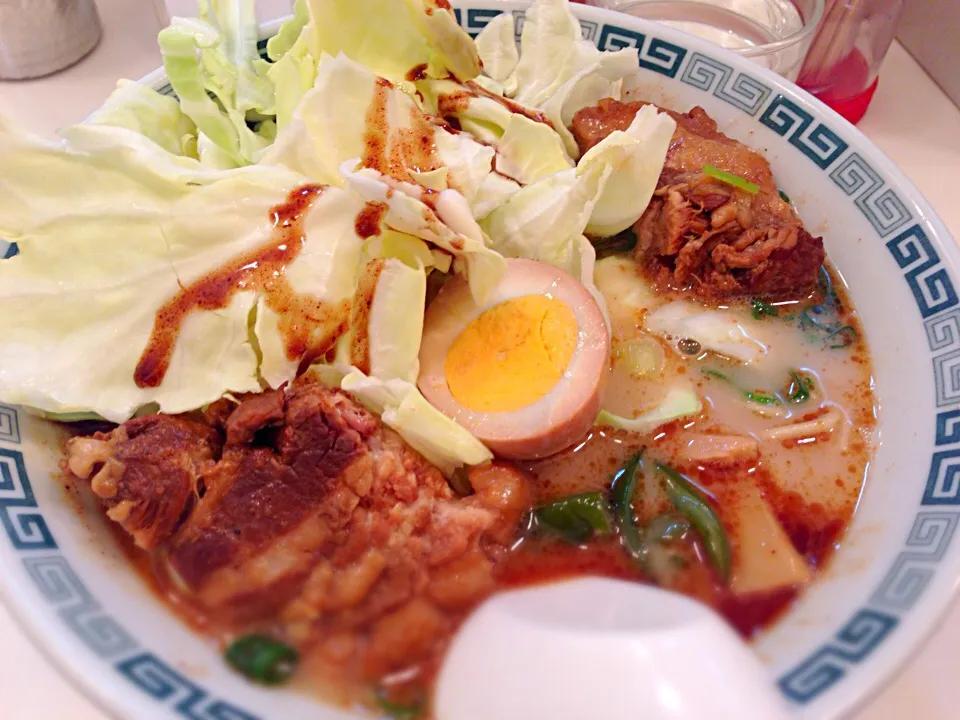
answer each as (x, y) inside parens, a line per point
(884, 592)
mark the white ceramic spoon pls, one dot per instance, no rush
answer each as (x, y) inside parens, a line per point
(597, 649)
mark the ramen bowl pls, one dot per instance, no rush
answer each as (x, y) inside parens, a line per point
(75, 591)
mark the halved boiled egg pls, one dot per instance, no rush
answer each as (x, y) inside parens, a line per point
(522, 371)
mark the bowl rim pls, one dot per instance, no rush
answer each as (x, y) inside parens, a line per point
(845, 698)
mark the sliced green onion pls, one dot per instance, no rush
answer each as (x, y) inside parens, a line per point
(575, 517)
(731, 179)
(751, 395)
(800, 386)
(398, 711)
(695, 507)
(784, 196)
(825, 285)
(622, 490)
(262, 658)
(620, 243)
(842, 337)
(835, 334)
(760, 308)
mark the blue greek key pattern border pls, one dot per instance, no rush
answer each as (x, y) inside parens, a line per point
(814, 139)
(881, 206)
(859, 637)
(58, 584)
(926, 275)
(9, 425)
(741, 90)
(166, 685)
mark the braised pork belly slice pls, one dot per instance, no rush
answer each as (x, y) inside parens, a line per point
(318, 520)
(702, 234)
(148, 472)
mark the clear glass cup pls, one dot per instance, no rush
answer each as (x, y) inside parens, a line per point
(773, 33)
(844, 57)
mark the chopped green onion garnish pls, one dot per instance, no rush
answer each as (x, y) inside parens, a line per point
(761, 308)
(575, 517)
(261, 658)
(842, 337)
(731, 179)
(622, 490)
(784, 196)
(825, 285)
(823, 319)
(800, 387)
(397, 711)
(694, 506)
(750, 395)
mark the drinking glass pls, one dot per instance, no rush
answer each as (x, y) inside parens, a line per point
(844, 58)
(772, 33)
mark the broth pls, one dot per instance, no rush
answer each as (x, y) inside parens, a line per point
(811, 484)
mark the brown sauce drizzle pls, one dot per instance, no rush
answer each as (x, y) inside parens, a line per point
(368, 219)
(514, 107)
(411, 148)
(260, 269)
(360, 314)
(417, 72)
(375, 129)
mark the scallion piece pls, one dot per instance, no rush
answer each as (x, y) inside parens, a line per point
(823, 320)
(784, 196)
(262, 658)
(622, 490)
(731, 179)
(750, 395)
(800, 386)
(761, 308)
(843, 336)
(575, 518)
(695, 507)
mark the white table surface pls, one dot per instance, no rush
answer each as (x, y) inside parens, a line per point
(911, 120)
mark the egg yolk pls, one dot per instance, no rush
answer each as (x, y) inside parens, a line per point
(512, 354)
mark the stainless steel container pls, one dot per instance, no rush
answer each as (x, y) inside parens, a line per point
(39, 37)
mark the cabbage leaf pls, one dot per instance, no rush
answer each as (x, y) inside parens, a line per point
(449, 227)
(110, 227)
(401, 406)
(216, 54)
(680, 401)
(155, 116)
(560, 72)
(497, 47)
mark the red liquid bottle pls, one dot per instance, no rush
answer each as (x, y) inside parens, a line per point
(848, 47)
